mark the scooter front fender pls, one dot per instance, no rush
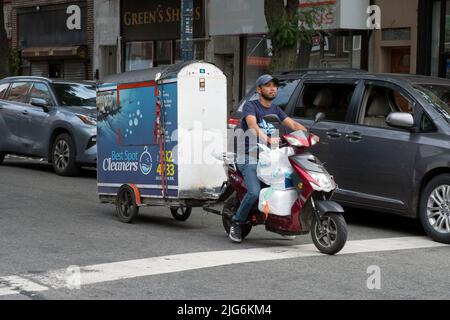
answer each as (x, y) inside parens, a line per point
(324, 207)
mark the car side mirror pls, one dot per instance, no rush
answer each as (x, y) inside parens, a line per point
(401, 120)
(272, 118)
(38, 102)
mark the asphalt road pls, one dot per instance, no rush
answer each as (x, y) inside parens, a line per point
(50, 223)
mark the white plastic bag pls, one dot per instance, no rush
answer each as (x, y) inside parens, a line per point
(274, 168)
(277, 202)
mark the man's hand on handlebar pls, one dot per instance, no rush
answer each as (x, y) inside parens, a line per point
(274, 142)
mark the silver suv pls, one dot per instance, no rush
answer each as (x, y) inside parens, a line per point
(52, 119)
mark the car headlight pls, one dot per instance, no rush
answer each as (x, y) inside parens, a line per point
(87, 120)
(325, 183)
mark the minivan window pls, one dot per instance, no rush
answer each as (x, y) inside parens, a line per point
(379, 101)
(438, 96)
(19, 92)
(285, 91)
(331, 99)
(3, 88)
(75, 95)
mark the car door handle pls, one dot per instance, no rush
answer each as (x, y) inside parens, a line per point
(354, 137)
(25, 112)
(334, 134)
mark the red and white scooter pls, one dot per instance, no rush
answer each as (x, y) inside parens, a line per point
(312, 210)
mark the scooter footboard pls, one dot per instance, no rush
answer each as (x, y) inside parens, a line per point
(325, 207)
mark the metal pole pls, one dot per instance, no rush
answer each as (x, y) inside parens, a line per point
(187, 29)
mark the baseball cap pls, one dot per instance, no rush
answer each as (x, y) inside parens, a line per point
(265, 79)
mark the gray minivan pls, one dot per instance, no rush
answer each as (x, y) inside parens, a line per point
(52, 119)
(386, 139)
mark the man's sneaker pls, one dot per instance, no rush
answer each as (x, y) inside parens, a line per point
(236, 233)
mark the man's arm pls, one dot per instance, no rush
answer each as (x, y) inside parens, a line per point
(253, 125)
(293, 125)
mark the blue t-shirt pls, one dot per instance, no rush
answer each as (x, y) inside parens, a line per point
(256, 109)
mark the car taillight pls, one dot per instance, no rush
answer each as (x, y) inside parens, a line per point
(233, 123)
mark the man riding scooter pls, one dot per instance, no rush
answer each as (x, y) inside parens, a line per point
(247, 160)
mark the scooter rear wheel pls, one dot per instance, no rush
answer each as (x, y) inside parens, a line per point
(229, 210)
(181, 213)
(330, 233)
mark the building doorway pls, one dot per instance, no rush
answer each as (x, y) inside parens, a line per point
(108, 64)
(401, 60)
(55, 70)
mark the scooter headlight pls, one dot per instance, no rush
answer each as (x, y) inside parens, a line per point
(294, 142)
(324, 182)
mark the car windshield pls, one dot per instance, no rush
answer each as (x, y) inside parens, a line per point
(285, 91)
(438, 96)
(77, 95)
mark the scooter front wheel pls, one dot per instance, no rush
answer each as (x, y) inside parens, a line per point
(330, 233)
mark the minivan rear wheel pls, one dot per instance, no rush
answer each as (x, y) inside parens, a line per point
(435, 208)
(63, 156)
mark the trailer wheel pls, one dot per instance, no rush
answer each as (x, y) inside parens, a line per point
(126, 206)
(181, 214)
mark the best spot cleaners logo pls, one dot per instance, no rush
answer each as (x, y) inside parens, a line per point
(145, 162)
(129, 162)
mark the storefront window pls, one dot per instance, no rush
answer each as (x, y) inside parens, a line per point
(440, 40)
(258, 60)
(339, 51)
(447, 28)
(447, 41)
(139, 55)
(163, 55)
(435, 39)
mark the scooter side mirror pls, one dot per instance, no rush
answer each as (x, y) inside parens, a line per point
(319, 117)
(272, 118)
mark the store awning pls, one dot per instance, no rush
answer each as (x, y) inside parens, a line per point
(70, 52)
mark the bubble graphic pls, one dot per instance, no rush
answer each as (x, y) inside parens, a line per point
(136, 122)
(131, 132)
(141, 116)
(131, 123)
(138, 112)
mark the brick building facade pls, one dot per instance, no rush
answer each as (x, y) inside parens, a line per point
(40, 32)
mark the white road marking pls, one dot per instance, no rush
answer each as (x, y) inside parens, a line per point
(14, 285)
(123, 270)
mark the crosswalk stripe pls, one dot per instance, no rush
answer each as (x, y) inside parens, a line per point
(123, 270)
(15, 284)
